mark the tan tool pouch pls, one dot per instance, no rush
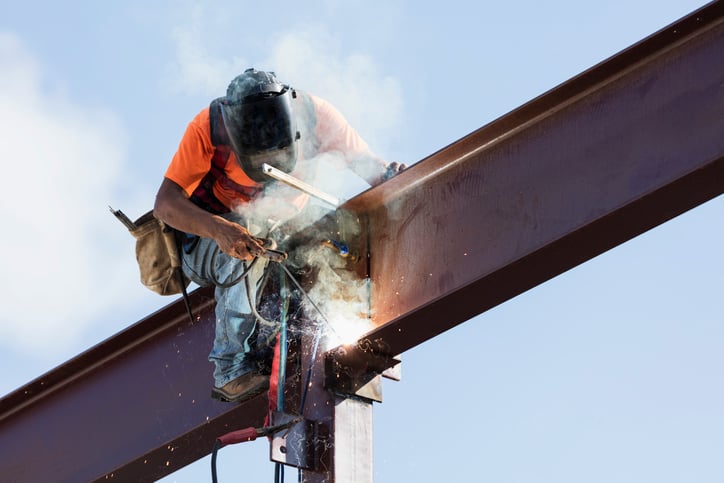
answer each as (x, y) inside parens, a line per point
(158, 257)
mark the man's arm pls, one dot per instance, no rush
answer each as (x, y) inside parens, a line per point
(377, 173)
(175, 209)
(336, 134)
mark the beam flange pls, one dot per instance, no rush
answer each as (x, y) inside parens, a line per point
(136, 407)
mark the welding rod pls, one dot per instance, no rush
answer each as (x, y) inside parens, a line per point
(299, 184)
(274, 255)
(123, 218)
(270, 250)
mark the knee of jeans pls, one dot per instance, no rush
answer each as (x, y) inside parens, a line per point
(193, 274)
(227, 269)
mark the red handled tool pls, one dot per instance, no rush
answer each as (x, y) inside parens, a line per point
(250, 434)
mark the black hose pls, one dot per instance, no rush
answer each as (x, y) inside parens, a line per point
(243, 275)
(217, 445)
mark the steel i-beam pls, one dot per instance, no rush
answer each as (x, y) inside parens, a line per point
(616, 151)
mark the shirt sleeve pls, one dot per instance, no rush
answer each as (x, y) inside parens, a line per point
(193, 157)
(336, 134)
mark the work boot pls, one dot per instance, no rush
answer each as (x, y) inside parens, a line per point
(244, 387)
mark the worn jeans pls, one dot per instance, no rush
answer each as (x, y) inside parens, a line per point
(207, 265)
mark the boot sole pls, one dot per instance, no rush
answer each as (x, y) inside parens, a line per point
(224, 397)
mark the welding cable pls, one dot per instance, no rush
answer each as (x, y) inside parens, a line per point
(283, 353)
(250, 434)
(270, 254)
(217, 446)
(244, 435)
(242, 276)
(311, 301)
(282, 368)
(278, 257)
(283, 345)
(253, 302)
(317, 337)
(299, 286)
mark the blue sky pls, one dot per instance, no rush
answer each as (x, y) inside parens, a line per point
(609, 372)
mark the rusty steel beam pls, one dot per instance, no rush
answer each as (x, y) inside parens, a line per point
(606, 156)
(134, 408)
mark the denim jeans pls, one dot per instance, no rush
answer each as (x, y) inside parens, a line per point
(207, 265)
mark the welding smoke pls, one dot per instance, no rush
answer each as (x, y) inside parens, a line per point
(338, 300)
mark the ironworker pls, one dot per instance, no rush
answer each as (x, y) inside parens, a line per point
(217, 171)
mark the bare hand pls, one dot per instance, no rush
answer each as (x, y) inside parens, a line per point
(236, 241)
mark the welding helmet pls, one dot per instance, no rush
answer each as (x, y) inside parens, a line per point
(259, 120)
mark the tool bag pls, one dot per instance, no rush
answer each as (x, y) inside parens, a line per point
(157, 254)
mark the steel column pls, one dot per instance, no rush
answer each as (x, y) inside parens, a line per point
(344, 439)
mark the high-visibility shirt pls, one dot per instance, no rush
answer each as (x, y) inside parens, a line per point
(324, 129)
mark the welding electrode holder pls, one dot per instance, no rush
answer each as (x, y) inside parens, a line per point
(270, 250)
(250, 434)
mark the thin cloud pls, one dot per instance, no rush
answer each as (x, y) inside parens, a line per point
(207, 44)
(197, 68)
(372, 101)
(60, 159)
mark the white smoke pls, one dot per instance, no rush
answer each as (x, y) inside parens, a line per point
(197, 68)
(309, 58)
(338, 300)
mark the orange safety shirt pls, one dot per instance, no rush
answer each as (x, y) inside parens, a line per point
(192, 160)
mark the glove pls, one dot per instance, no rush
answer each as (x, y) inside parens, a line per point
(393, 169)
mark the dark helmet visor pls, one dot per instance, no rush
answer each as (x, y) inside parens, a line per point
(261, 130)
